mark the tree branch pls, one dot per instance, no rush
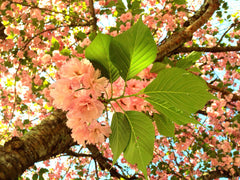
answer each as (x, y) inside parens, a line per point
(207, 49)
(184, 35)
(229, 28)
(92, 12)
(72, 153)
(224, 92)
(97, 155)
(47, 139)
(2, 34)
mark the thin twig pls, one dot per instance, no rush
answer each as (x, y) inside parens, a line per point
(230, 27)
(96, 168)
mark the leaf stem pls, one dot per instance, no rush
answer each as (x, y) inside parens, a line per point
(122, 96)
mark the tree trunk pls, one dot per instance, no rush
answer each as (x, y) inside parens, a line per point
(47, 139)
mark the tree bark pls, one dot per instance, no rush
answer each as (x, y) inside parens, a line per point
(207, 49)
(185, 34)
(50, 138)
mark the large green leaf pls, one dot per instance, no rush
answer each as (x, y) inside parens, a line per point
(140, 146)
(133, 50)
(177, 94)
(164, 125)
(180, 1)
(189, 60)
(157, 67)
(98, 53)
(120, 134)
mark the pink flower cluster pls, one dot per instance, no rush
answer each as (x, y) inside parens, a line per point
(125, 17)
(77, 91)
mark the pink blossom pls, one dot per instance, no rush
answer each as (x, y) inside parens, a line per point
(85, 42)
(97, 132)
(128, 15)
(61, 92)
(46, 59)
(128, 25)
(93, 81)
(20, 54)
(36, 13)
(75, 68)
(85, 107)
(123, 28)
(80, 132)
(238, 105)
(123, 18)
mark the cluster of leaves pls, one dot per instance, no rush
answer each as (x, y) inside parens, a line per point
(176, 93)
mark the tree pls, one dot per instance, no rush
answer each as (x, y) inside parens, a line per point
(166, 52)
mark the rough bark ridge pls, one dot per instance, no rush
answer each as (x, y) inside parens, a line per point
(48, 139)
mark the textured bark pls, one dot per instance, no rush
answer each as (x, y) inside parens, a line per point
(184, 35)
(48, 139)
(207, 49)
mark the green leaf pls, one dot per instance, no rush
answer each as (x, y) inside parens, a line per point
(43, 170)
(164, 125)
(55, 44)
(120, 7)
(98, 53)
(80, 36)
(189, 60)
(35, 177)
(65, 52)
(133, 50)
(178, 94)
(194, 69)
(157, 67)
(140, 146)
(120, 134)
(180, 1)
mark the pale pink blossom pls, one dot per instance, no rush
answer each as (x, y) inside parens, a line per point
(128, 15)
(97, 132)
(61, 93)
(123, 28)
(123, 18)
(75, 68)
(86, 108)
(96, 83)
(46, 59)
(85, 42)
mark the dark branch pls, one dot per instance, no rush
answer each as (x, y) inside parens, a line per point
(102, 161)
(229, 28)
(207, 49)
(224, 92)
(72, 153)
(2, 34)
(92, 12)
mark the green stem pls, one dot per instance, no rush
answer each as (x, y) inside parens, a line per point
(122, 96)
